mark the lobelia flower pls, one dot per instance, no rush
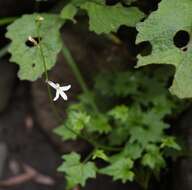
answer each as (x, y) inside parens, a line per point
(60, 90)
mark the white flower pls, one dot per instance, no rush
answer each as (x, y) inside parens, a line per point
(60, 90)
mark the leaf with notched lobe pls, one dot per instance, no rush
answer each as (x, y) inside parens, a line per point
(28, 56)
(160, 29)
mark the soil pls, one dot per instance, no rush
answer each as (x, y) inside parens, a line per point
(25, 143)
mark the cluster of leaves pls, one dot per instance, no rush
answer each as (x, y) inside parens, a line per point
(135, 129)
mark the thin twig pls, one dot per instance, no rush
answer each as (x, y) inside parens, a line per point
(3, 51)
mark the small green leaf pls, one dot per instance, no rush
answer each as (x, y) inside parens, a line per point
(170, 142)
(118, 135)
(106, 19)
(75, 171)
(119, 113)
(153, 158)
(65, 133)
(120, 169)
(68, 12)
(77, 120)
(100, 154)
(99, 123)
(150, 129)
(133, 151)
(29, 57)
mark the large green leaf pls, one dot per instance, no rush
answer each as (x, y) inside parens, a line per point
(106, 19)
(160, 29)
(28, 57)
(103, 18)
(76, 172)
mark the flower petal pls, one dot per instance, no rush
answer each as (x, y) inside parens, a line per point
(56, 96)
(65, 88)
(52, 84)
(63, 95)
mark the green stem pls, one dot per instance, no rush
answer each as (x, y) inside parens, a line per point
(3, 51)
(89, 156)
(7, 20)
(57, 114)
(73, 65)
(146, 181)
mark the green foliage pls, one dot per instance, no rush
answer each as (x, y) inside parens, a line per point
(170, 142)
(137, 127)
(77, 120)
(100, 154)
(99, 123)
(132, 150)
(29, 58)
(120, 113)
(77, 172)
(120, 169)
(68, 12)
(160, 29)
(103, 18)
(124, 116)
(153, 158)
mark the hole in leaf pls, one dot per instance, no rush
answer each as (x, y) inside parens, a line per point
(111, 2)
(33, 65)
(35, 42)
(128, 35)
(169, 82)
(184, 49)
(148, 6)
(181, 39)
(144, 48)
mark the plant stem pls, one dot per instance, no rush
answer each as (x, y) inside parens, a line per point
(73, 65)
(45, 72)
(89, 155)
(7, 20)
(4, 50)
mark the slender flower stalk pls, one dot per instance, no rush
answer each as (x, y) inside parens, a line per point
(71, 62)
